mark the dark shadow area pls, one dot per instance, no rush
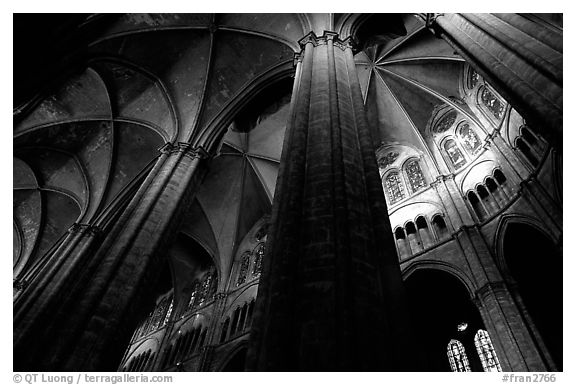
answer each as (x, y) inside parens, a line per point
(535, 264)
(440, 302)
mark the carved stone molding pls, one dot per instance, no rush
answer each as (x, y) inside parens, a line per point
(322, 40)
(489, 288)
(185, 148)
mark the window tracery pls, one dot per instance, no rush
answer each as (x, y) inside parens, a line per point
(394, 187)
(492, 103)
(168, 312)
(160, 313)
(470, 139)
(244, 264)
(194, 295)
(208, 287)
(445, 122)
(454, 153)
(415, 175)
(457, 357)
(258, 255)
(486, 352)
(388, 159)
(473, 78)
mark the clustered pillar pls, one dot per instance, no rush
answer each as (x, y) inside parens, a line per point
(75, 320)
(331, 294)
(520, 58)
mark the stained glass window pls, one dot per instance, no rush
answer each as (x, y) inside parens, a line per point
(454, 153)
(394, 187)
(261, 233)
(415, 175)
(457, 357)
(445, 122)
(159, 314)
(492, 103)
(471, 140)
(473, 78)
(243, 272)
(194, 296)
(486, 352)
(168, 312)
(207, 288)
(387, 159)
(258, 255)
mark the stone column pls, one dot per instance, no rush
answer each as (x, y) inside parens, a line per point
(331, 295)
(87, 323)
(513, 342)
(520, 58)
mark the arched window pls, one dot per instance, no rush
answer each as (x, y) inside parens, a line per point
(403, 248)
(415, 175)
(473, 78)
(414, 240)
(208, 287)
(486, 352)
(470, 139)
(492, 186)
(194, 296)
(457, 357)
(492, 103)
(454, 153)
(476, 205)
(394, 187)
(499, 176)
(538, 145)
(526, 151)
(224, 331)
(258, 255)
(169, 311)
(159, 317)
(445, 122)
(244, 265)
(440, 226)
(424, 232)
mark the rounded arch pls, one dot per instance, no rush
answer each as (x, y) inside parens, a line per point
(492, 106)
(413, 266)
(504, 224)
(211, 135)
(440, 303)
(532, 265)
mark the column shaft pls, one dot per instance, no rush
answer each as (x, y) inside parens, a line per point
(331, 294)
(518, 57)
(90, 324)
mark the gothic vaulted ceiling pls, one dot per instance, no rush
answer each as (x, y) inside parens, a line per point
(149, 79)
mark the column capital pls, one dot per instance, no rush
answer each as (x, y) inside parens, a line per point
(185, 148)
(322, 40)
(441, 178)
(488, 288)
